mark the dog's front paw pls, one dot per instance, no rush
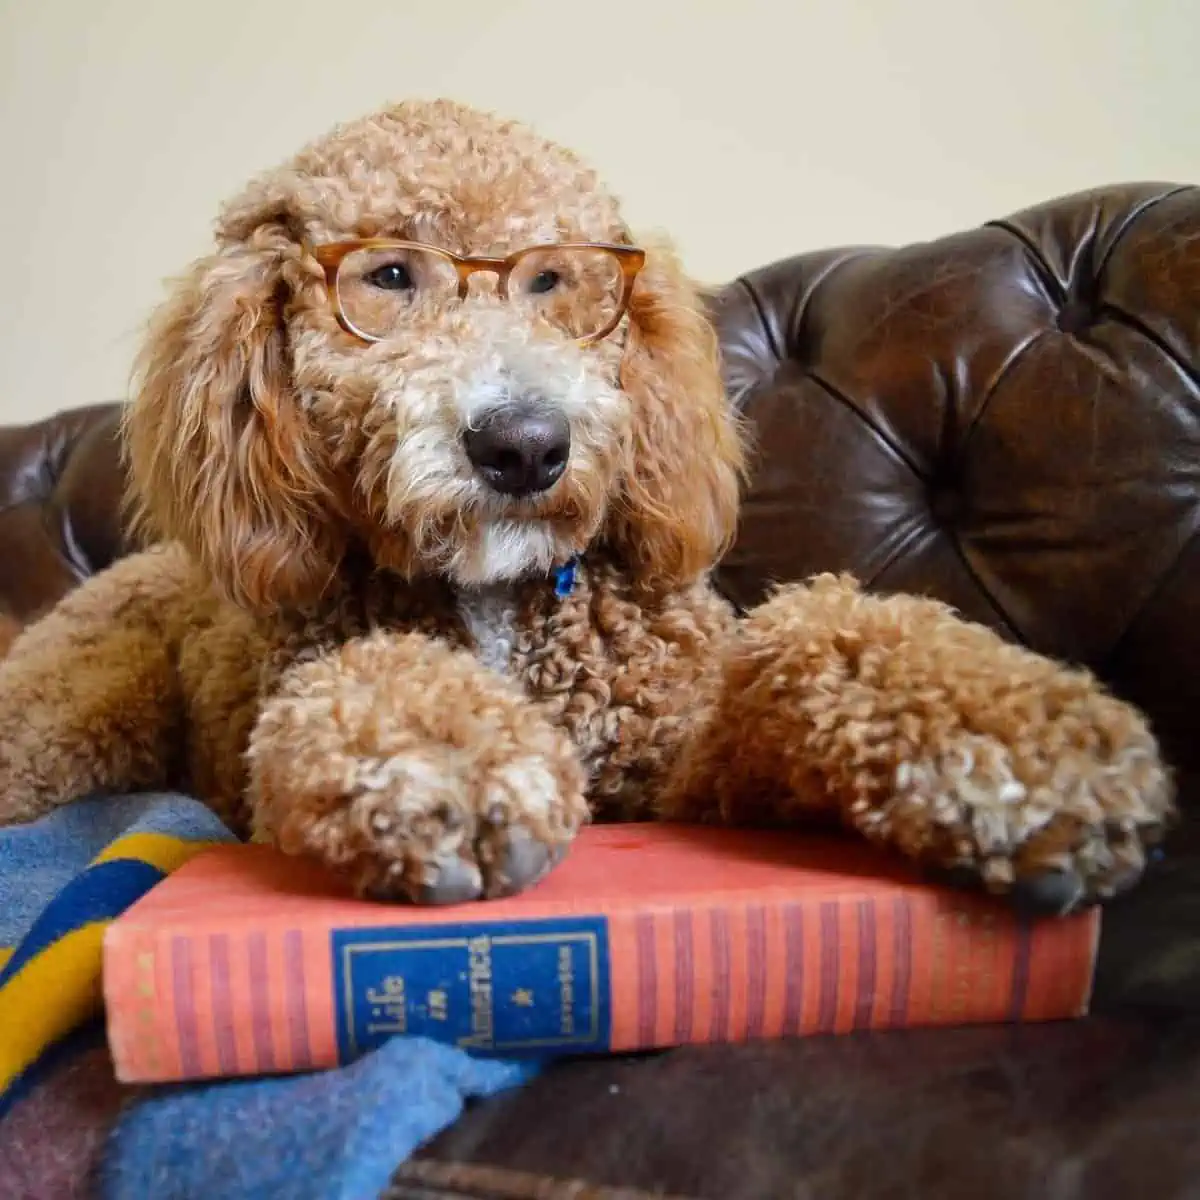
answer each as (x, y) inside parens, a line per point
(450, 789)
(434, 827)
(974, 756)
(1057, 830)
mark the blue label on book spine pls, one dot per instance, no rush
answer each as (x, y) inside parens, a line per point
(529, 987)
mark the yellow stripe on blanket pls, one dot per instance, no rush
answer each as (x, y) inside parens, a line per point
(48, 997)
(58, 988)
(160, 850)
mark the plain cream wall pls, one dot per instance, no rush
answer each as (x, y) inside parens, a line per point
(750, 129)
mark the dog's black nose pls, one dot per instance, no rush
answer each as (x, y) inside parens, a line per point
(520, 452)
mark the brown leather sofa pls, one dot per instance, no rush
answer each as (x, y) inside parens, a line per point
(1008, 419)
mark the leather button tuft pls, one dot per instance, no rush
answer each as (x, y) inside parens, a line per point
(1076, 316)
(946, 504)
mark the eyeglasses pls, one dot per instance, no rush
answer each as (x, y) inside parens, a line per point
(376, 284)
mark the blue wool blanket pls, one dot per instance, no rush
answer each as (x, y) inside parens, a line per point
(330, 1134)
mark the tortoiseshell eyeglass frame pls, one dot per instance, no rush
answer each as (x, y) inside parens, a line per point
(329, 257)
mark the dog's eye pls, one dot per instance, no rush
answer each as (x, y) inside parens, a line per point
(544, 281)
(391, 277)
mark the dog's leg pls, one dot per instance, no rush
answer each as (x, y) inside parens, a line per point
(89, 698)
(414, 770)
(933, 735)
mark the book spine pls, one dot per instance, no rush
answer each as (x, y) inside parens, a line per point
(132, 1004)
(187, 1005)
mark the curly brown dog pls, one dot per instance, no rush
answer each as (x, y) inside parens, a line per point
(437, 463)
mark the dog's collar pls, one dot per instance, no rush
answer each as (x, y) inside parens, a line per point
(564, 578)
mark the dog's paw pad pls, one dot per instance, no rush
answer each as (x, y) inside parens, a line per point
(1053, 892)
(450, 880)
(455, 881)
(521, 860)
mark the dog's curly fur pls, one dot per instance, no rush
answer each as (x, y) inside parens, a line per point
(349, 644)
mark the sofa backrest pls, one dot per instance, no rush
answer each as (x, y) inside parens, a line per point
(1007, 419)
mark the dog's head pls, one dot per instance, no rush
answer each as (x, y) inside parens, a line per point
(430, 337)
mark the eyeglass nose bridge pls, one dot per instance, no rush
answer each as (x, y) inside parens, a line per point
(482, 265)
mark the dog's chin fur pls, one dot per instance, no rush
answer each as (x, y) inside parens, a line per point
(471, 537)
(505, 551)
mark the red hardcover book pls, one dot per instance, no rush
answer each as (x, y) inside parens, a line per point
(245, 961)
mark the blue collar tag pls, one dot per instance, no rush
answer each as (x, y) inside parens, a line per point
(564, 579)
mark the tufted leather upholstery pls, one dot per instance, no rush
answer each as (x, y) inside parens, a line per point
(1008, 419)
(60, 488)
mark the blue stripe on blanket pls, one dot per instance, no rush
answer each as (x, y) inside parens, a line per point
(103, 892)
(39, 859)
(63, 879)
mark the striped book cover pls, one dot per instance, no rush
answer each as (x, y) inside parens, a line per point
(245, 961)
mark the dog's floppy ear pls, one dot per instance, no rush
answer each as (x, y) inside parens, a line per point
(220, 455)
(678, 508)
